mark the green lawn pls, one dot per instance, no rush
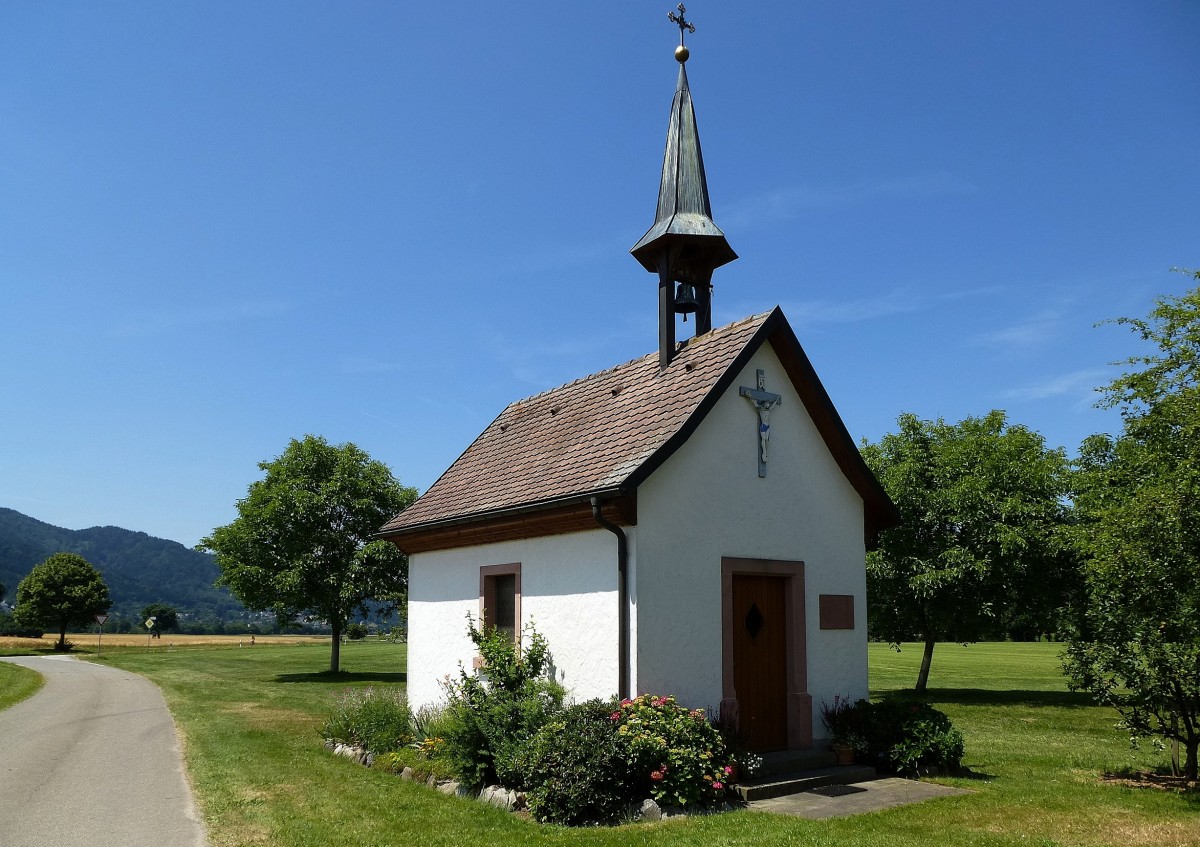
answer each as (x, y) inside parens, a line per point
(17, 683)
(251, 716)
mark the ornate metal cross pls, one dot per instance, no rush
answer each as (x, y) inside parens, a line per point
(683, 24)
(763, 402)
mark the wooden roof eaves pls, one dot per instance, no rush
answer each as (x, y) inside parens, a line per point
(498, 514)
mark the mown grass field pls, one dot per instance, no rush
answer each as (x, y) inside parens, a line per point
(17, 683)
(1036, 752)
(87, 643)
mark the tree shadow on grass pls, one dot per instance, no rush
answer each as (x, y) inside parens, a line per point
(342, 677)
(992, 697)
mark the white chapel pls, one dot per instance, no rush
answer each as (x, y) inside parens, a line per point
(693, 522)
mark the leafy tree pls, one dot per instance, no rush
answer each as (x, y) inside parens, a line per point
(302, 542)
(65, 590)
(980, 535)
(166, 618)
(1138, 643)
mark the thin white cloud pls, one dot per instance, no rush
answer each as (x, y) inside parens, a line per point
(812, 313)
(1081, 385)
(158, 322)
(548, 364)
(781, 204)
(1034, 331)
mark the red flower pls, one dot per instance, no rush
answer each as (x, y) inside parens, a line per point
(718, 785)
(657, 776)
(616, 716)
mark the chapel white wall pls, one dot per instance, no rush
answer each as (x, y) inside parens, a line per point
(707, 501)
(568, 591)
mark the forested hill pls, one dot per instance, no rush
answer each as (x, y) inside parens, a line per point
(138, 568)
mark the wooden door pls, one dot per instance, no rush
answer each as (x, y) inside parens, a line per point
(760, 660)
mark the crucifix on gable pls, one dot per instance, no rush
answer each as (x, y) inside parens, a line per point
(763, 402)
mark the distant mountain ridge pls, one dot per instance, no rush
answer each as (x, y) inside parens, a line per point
(138, 568)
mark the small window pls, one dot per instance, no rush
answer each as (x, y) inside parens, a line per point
(504, 604)
(500, 598)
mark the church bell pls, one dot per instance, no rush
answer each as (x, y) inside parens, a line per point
(685, 300)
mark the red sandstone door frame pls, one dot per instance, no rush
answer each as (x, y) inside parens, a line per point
(799, 701)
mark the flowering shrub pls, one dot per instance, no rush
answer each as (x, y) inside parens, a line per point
(377, 719)
(595, 759)
(676, 754)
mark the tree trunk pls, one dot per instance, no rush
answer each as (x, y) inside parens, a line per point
(1189, 770)
(62, 638)
(926, 660)
(335, 655)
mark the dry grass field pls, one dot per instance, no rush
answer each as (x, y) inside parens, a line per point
(87, 641)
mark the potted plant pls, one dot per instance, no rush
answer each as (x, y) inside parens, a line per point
(846, 747)
(841, 720)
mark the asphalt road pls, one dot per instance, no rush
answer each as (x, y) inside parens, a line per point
(92, 760)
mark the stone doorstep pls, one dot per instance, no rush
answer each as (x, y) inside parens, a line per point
(797, 781)
(790, 761)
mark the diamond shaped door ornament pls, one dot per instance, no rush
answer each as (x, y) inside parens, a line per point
(754, 621)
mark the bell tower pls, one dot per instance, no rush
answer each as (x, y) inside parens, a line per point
(683, 246)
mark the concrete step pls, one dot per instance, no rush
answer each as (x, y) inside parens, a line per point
(790, 761)
(766, 786)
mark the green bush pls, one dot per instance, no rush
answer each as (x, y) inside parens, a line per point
(490, 716)
(356, 631)
(575, 768)
(911, 737)
(897, 735)
(377, 719)
(673, 754)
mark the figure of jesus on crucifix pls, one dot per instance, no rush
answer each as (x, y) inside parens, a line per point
(763, 402)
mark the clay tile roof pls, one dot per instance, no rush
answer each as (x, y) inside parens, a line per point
(587, 437)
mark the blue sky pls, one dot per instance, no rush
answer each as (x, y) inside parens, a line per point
(224, 225)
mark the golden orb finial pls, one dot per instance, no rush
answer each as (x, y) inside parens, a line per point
(681, 54)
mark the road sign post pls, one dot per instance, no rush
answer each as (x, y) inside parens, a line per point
(100, 619)
(149, 631)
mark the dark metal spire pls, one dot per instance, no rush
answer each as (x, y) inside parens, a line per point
(683, 245)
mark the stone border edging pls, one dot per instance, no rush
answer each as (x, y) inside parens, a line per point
(506, 798)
